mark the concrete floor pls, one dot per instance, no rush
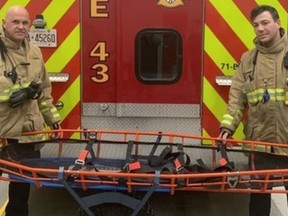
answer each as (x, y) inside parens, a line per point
(58, 202)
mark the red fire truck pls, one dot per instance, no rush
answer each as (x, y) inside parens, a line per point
(148, 65)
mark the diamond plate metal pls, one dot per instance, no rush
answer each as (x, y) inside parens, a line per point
(142, 110)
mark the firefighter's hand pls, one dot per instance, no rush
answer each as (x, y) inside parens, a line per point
(223, 136)
(33, 91)
(56, 134)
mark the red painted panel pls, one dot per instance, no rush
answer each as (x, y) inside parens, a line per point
(118, 31)
(2, 3)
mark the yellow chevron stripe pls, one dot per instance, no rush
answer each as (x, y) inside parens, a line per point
(75, 136)
(217, 105)
(70, 98)
(10, 3)
(236, 20)
(205, 134)
(282, 12)
(214, 47)
(54, 12)
(65, 52)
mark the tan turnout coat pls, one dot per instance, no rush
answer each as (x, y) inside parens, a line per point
(265, 121)
(32, 114)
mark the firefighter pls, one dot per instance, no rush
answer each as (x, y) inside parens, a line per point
(25, 98)
(260, 86)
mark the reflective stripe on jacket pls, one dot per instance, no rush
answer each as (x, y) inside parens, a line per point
(263, 93)
(32, 114)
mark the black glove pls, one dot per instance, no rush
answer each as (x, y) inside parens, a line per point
(12, 75)
(57, 134)
(33, 91)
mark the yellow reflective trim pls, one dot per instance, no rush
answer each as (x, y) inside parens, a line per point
(278, 90)
(275, 95)
(65, 52)
(225, 122)
(55, 11)
(227, 119)
(4, 98)
(44, 107)
(254, 96)
(234, 17)
(213, 47)
(262, 148)
(55, 113)
(228, 116)
(44, 103)
(70, 98)
(31, 138)
(239, 115)
(5, 94)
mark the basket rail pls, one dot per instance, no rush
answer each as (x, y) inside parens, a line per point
(193, 181)
(250, 181)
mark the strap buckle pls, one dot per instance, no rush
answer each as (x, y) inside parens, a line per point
(232, 180)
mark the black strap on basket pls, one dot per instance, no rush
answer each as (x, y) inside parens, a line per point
(175, 162)
(167, 161)
(82, 162)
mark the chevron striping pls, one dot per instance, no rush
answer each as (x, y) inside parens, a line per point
(10, 3)
(213, 46)
(281, 10)
(245, 7)
(55, 10)
(284, 3)
(64, 53)
(206, 134)
(208, 93)
(225, 35)
(213, 124)
(75, 136)
(232, 15)
(2, 3)
(70, 97)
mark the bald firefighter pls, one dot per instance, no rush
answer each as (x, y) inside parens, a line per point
(25, 98)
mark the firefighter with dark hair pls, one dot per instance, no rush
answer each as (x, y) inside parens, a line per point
(260, 86)
(25, 99)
